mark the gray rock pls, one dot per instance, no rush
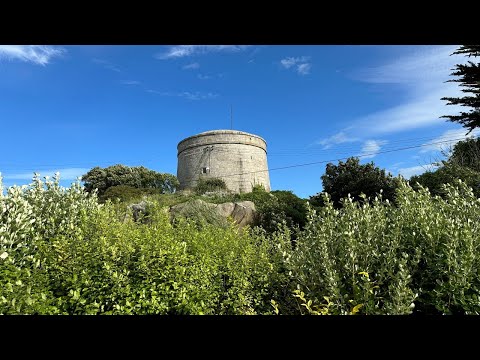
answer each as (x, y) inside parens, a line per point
(138, 210)
(225, 209)
(243, 213)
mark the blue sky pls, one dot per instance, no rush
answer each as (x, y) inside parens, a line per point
(70, 108)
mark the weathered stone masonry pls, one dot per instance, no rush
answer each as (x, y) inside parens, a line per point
(237, 157)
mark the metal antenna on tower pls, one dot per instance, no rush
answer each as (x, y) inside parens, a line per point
(231, 117)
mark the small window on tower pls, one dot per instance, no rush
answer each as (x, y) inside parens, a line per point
(205, 170)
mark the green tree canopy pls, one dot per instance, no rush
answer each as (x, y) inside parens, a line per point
(469, 78)
(136, 177)
(352, 178)
(463, 163)
(447, 174)
(467, 154)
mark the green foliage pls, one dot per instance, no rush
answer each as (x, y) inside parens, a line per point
(277, 207)
(375, 258)
(463, 163)
(31, 219)
(352, 178)
(127, 193)
(270, 214)
(273, 208)
(200, 213)
(294, 208)
(136, 177)
(469, 78)
(466, 153)
(210, 184)
(61, 252)
(447, 174)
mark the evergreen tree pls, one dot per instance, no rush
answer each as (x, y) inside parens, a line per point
(469, 78)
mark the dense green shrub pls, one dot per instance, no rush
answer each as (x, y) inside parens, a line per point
(295, 208)
(448, 173)
(276, 207)
(375, 258)
(463, 162)
(62, 252)
(126, 193)
(31, 219)
(211, 184)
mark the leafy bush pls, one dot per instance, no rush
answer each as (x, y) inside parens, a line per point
(375, 258)
(127, 193)
(31, 218)
(295, 208)
(211, 184)
(61, 252)
(276, 207)
(448, 173)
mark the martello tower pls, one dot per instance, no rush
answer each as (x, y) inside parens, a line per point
(237, 157)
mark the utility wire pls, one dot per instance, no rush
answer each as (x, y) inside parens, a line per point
(279, 152)
(332, 160)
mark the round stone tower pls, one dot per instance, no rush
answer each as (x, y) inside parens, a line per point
(237, 157)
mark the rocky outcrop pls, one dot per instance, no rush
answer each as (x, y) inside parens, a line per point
(243, 212)
(139, 212)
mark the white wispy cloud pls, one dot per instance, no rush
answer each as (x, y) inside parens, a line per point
(65, 174)
(397, 164)
(180, 51)
(130, 82)
(415, 114)
(300, 64)
(107, 65)
(304, 69)
(422, 74)
(370, 148)
(204, 77)
(408, 172)
(36, 54)
(186, 94)
(339, 138)
(198, 95)
(191, 66)
(448, 139)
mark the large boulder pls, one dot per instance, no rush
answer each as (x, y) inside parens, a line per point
(139, 211)
(243, 212)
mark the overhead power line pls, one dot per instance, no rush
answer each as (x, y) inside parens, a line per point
(337, 159)
(344, 149)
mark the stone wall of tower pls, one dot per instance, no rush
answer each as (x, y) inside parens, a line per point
(238, 158)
